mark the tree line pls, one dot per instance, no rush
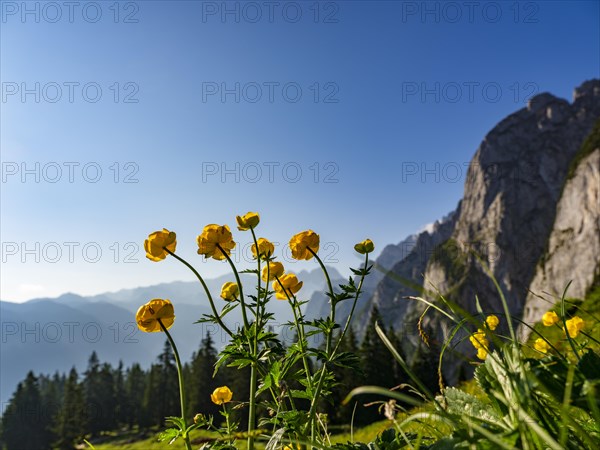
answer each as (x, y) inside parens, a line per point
(57, 411)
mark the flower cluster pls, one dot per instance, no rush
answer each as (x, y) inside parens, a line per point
(481, 343)
(479, 339)
(248, 342)
(573, 327)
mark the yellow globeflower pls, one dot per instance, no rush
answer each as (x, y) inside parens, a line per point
(365, 246)
(265, 249)
(275, 270)
(301, 242)
(492, 322)
(482, 353)
(157, 242)
(147, 315)
(213, 235)
(247, 221)
(290, 283)
(230, 291)
(574, 326)
(541, 345)
(221, 395)
(478, 339)
(549, 318)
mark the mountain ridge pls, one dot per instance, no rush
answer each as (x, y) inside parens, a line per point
(54, 334)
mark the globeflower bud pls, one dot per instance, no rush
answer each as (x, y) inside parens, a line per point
(287, 283)
(230, 291)
(574, 326)
(550, 318)
(212, 237)
(265, 249)
(302, 242)
(247, 221)
(157, 242)
(492, 322)
(541, 345)
(147, 315)
(365, 246)
(221, 395)
(275, 270)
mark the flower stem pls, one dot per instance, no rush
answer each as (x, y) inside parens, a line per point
(185, 436)
(210, 299)
(229, 431)
(239, 283)
(253, 368)
(252, 407)
(253, 349)
(258, 262)
(300, 328)
(313, 405)
(349, 319)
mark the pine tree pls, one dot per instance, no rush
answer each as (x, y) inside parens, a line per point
(161, 396)
(152, 399)
(23, 424)
(51, 390)
(92, 395)
(99, 393)
(424, 364)
(71, 420)
(107, 401)
(135, 387)
(377, 367)
(122, 401)
(202, 367)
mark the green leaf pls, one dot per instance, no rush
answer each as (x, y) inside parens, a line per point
(346, 359)
(460, 403)
(478, 305)
(170, 434)
(301, 394)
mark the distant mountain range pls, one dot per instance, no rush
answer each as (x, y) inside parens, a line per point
(53, 334)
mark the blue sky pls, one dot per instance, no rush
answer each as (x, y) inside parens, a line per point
(356, 119)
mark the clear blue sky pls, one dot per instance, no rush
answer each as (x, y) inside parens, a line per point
(361, 122)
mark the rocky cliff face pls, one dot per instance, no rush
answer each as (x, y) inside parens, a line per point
(511, 194)
(513, 186)
(573, 252)
(406, 278)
